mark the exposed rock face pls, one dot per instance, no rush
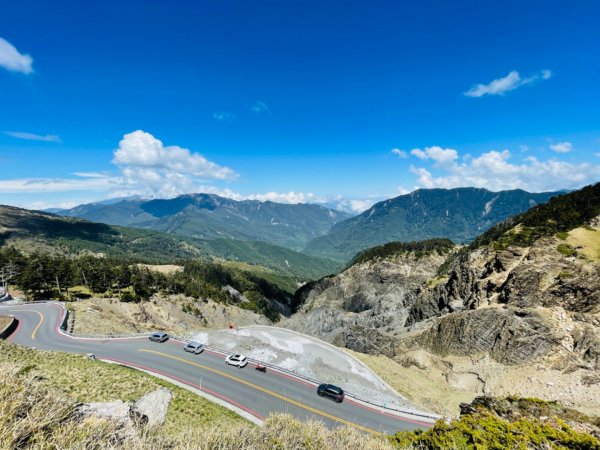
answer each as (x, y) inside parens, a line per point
(154, 406)
(519, 306)
(151, 409)
(117, 410)
(374, 295)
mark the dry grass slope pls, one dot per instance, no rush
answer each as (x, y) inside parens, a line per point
(79, 379)
(34, 416)
(426, 390)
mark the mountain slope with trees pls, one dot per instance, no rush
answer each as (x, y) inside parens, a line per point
(208, 217)
(35, 231)
(458, 214)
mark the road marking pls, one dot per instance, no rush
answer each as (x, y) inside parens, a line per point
(39, 323)
(268, 392)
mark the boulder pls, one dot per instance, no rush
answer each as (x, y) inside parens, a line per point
(154, 406)
(117, 410)
(151, 409)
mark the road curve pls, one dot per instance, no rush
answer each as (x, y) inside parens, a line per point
(258, 394)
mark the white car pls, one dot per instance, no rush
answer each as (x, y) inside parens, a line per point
(237, 360)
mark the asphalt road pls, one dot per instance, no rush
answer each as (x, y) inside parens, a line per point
(257, 393)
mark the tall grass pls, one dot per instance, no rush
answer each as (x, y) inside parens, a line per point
(35, 416)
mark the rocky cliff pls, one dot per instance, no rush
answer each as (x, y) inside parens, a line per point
(512, 307)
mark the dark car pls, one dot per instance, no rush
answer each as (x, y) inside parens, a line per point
(331, 391)
(159, 336)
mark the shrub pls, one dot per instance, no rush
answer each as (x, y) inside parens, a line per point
(566, 250)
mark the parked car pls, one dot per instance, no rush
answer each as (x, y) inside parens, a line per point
(194, 347)
(237, 360)
(331, 391)
(159, 336)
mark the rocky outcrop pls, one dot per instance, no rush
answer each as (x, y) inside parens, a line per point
(376, 295)
(532, 311)
(508, 336)
(151, 409)
(153, 406)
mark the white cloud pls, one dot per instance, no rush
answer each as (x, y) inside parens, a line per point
(494, 170)
(508, 83)
(32, 136)
(443, 157)
(12, 60)
(561, 147)
(90, 174)
(260, 107)
(41, 205)
(43, 185)
(359, 206)
(330, 201)
(150, 169)
(285, 197)
(224, 116)
(399, 153)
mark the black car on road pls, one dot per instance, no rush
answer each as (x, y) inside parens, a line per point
(158, 336)
(331, 391)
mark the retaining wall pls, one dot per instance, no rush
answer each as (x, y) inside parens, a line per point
(8, 329)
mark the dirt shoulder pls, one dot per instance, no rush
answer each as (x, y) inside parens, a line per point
(176, 314)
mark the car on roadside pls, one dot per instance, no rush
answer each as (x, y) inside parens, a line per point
(159, 336)
(194, 347)
(331, 391)
(236, 360)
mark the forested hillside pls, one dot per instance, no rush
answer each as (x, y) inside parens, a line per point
(459, 214)
(33, 231)
(209, 216)
(44, 276)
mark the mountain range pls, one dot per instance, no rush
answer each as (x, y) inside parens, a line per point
(458, 214)
(33, 231)
(208, 217)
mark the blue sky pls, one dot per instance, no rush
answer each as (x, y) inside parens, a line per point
(338, 102)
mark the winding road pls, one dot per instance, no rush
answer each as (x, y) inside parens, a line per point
(256, 394)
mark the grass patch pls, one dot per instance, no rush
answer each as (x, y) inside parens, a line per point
(587, 242)
(566, 249)
(565, 275)
(440, 279)
(83, 380)
(515, 423)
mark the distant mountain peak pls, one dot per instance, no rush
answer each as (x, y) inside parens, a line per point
(212, 216)
(459, 214)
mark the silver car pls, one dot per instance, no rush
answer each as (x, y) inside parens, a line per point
(159, 336)
(194, 347)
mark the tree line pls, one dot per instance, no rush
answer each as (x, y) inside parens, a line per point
(44, 276)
